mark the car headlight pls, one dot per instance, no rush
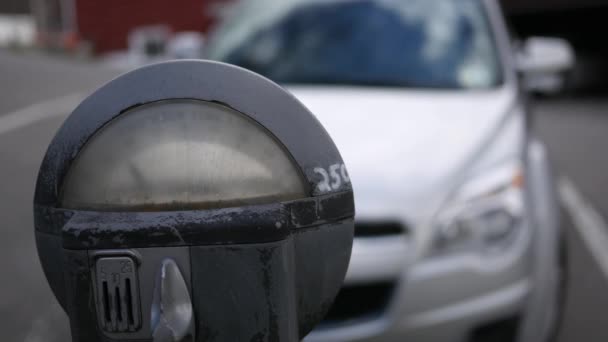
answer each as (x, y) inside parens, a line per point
(483, 214)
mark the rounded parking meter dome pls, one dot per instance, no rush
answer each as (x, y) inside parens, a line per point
(193, 200)
(179, 155)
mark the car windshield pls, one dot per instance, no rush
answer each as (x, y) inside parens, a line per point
(409, 43)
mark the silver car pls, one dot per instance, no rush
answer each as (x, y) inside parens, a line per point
(457, 235)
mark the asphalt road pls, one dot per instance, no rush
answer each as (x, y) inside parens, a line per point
(575, 132)
(44, 87)
(30, 84)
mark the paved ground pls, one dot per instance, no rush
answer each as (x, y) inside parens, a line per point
(29, 78)
(576, 133)
(25, 81)
(573, 128)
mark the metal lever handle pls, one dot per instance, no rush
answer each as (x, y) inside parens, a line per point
(172, 314)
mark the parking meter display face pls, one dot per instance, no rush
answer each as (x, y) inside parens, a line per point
(193, 201)
(177, 155)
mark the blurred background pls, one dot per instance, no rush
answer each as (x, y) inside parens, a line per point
(53, 53)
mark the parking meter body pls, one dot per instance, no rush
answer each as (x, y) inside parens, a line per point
(193, 201)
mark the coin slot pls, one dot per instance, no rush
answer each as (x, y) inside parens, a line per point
(129, 297)
(118, 306)
(106, 302)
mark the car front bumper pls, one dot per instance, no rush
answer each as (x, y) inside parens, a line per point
(435, 299)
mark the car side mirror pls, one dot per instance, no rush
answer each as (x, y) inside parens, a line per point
(543, 64)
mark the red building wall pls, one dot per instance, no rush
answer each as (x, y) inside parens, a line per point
(106, 24)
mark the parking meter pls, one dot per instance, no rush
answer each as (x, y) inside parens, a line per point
(193, 201)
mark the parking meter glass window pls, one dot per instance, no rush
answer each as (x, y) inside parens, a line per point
(181, 155)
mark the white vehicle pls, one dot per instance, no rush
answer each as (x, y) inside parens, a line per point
(457, 234)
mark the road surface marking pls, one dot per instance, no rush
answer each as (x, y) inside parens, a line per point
(39, 111)
(587, 221)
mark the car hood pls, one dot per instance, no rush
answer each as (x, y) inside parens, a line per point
(403, 148)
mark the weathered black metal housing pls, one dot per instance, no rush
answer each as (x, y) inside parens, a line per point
(257, 273)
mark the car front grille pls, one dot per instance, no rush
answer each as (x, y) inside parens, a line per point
(503, 330)
(379, 228)
(359, 303)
